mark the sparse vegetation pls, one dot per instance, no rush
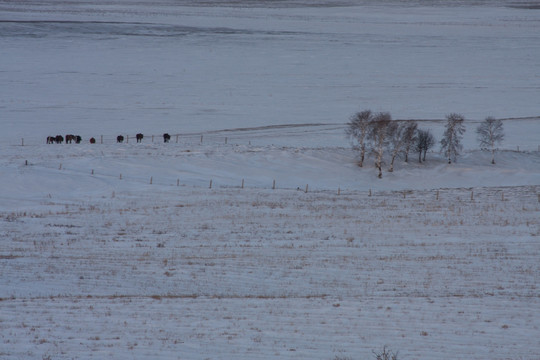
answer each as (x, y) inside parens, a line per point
(314, 251)
(385, 354)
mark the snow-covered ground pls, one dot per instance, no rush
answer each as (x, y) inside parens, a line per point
(186, 250)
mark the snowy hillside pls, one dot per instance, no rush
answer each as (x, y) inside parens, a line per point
(124, 251)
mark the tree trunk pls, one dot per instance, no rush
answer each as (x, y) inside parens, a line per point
(380, 158)
(420, 156)
(425, 151)
(493, 156)
(391, 169)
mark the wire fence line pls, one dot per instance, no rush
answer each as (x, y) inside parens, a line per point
(277, 131)
(191, 139)
(460, 194)
(207, 139)
(223, 136)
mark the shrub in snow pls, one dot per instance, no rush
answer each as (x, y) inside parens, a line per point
(385, 354)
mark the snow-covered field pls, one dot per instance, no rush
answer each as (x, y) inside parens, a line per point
(250, 273)
(186, 250)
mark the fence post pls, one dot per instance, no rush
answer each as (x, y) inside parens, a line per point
(502, 196)
(306, 188)
(177, 139)
(92, 171)
(338, 190)
(177, 182)
(472, 195)
(369, 192)
(120, 176)
(437, 195)
(225, 140)
(102, 139)
(210, 184)
(22, 141)
(60, 167)
(274, 185)
(152, 138)
(151, 178)
(26, 162)
(242, 183)
(201, 139)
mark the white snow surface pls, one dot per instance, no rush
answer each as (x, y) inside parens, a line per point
(253, 234)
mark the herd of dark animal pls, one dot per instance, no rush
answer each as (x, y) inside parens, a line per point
(59, 139)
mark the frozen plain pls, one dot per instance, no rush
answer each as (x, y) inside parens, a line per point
(440, 262)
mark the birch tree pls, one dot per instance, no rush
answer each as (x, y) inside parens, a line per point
(396, 140)
(453, 134)
(378, 136)
(424, 142)
(489, 134)
(357, 130)
(409, 137)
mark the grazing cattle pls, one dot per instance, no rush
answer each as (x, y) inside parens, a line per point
(51, 139)
(59, 139)
(119, 139)
(92, 140)
(166, 137)
(69, 138)
(78, 139)
(139, 137)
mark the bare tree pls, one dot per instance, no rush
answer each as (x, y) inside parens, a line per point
(424, 142)
(396, 140)
(378, 136)
(490, 133)
(357, 130)
(451, 141)
(409, 137)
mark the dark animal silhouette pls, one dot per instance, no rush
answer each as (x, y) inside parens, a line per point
(166, 137)
(119, 139)
(59, 139)
(92, 140)
(139, 137)
(69, 138)
(51, 139)
(78, 139)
